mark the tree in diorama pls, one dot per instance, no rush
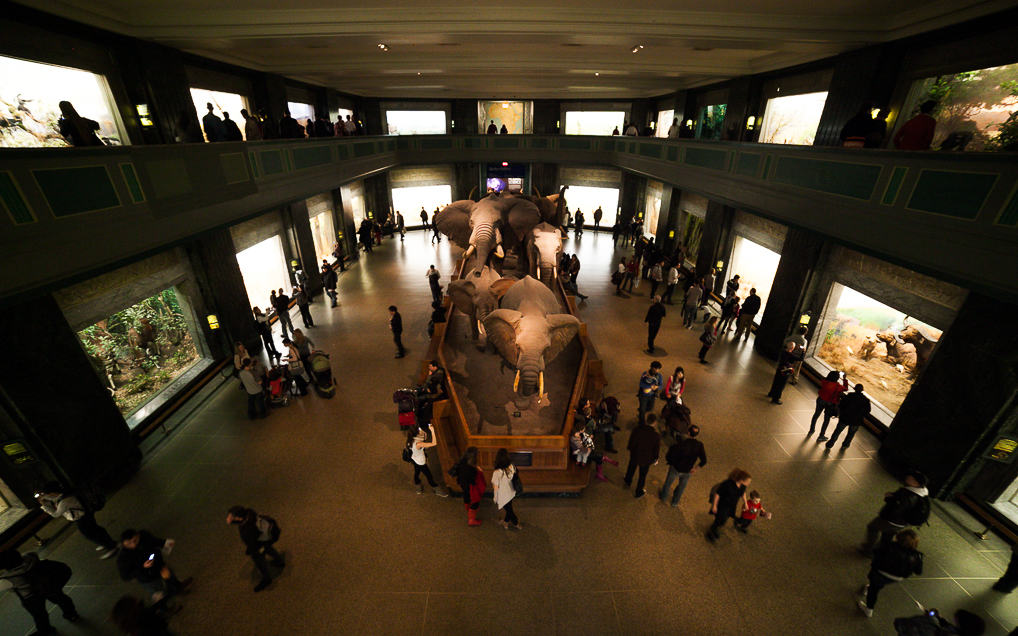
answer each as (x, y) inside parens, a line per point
(962, 96)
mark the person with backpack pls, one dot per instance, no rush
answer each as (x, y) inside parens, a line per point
(259, 534)
(907, 506)
(893, 561)
(36, 581)
(414, 452)
(56, 503)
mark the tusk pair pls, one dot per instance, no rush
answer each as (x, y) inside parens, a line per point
(516, 382)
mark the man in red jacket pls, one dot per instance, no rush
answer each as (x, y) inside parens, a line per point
(917, 133)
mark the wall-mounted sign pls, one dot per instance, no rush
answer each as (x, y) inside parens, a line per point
(1003, 450)
(17, 453)
(213, 321)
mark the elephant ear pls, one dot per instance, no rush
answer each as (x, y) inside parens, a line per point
(501, 286)
(500, 327)
(521, 216)
(562, 328)
(462, 293)
(454, 221)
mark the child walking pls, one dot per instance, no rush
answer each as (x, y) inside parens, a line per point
(750, 511)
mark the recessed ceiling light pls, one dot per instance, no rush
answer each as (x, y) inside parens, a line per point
(597, 74)
(637, 48)
(418, 73)
(383, 46)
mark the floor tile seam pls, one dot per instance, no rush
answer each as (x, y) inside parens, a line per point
(424, 614)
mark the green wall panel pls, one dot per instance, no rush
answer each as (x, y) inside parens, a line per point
(748, 164)
(650, 150)
(364, 148)
(540, 142)
(234, 167)
(469, 142)
(439, 143)
(957, 194)
(13, 202)
(673, 153)
(131, 179)
(1009, 215)
(272, 161)
(574, 144)
(707, 158)
(847, 179)
(894, 185)
(504, 143)
(76, 190)
(311, 157)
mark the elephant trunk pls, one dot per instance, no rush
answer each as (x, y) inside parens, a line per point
(482, 239)
(547, 275)
(530, 374)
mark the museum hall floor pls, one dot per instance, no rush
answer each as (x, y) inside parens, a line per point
(367, 555)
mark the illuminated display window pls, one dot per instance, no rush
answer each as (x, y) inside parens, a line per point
(516, 116)
(588, 198)
(863, 337)
(711, 121)
(792, 119)
(141, 351)
(221, 102)
(410, 200)
(301, 112)
(756, 266)
(30, 96)
(976, 110)
(263, 266)
(416, 122)
(664, 122)
(591, 122)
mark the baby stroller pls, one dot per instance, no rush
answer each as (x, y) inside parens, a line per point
(321, 374)
(676, 418)
(406, 407)
(279, 387)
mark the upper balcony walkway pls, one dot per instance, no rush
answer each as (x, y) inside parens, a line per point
(76, 210)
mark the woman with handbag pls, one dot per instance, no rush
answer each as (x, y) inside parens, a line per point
(503, 480)
(707, 338)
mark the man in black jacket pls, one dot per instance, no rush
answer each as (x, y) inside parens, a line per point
(141, 559)
(34, 582)
(259, 533)
(281, 303)
(329, 281)
(893, 517)
(852, 410)
(396, 325)
(750, 308)
(644, 449)
(681, 459)
(655, 314)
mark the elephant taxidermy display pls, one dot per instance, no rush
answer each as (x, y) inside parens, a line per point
(552, 208)
(489, 226)
(529, 332)
(544, 249)
(473, 295)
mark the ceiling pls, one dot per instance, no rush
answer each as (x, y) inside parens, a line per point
(576, 49)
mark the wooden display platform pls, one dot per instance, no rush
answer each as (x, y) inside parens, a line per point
(551, 468)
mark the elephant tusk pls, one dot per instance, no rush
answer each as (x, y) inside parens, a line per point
(554, 272)
(470, 251)
(516, 382)
(537, 191)
(540, 384)
(472, 191)
(498, 243)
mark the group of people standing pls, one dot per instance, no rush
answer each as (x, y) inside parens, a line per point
(260, 126)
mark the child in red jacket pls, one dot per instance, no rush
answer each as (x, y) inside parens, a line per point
(750, 511)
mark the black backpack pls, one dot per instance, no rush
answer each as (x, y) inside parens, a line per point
(91, 497)
(407, 453)
(268, 528)
(48, 577)
(919, 512)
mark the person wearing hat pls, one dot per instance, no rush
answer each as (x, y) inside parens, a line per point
(898, 506)
(259, 533)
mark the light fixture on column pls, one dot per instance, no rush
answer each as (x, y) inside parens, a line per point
(213, 321)
(751, 122)
(720, 265)
(805, 318)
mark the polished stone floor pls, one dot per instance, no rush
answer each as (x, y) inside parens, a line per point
(366, 555)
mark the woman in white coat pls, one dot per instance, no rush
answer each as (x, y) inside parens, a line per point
(502, 483)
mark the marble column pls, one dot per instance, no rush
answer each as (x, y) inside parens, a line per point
(221, 284)
(716, 225)
(960, 396)
(56, 393)
(799, 256)
(305, 244)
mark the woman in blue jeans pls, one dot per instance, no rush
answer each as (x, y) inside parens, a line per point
(681, 459)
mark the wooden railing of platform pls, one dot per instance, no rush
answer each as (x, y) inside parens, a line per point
(550, 469)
